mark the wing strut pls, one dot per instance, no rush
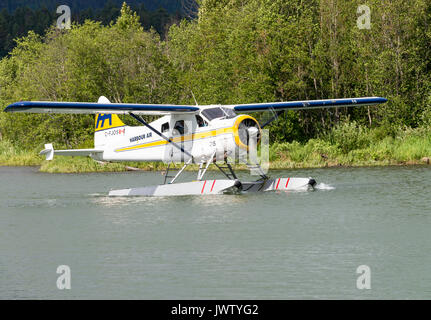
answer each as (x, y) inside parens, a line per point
(277, 114)
(161, 135)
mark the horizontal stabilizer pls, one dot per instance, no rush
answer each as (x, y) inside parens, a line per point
(49, 152)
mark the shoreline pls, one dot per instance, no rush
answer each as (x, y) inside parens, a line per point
(88, 165)
(407, 147)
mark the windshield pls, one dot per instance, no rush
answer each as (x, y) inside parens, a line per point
(229, 112)
(218, 112)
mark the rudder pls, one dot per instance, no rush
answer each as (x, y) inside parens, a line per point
(106, 121)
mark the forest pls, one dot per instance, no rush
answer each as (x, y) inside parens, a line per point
(235, 51)
(77, 5)
(19, 17)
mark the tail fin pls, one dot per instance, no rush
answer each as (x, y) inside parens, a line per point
(106, 121)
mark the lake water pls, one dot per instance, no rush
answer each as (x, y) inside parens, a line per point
(297, 245)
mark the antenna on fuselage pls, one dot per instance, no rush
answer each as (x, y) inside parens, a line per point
(194, 98)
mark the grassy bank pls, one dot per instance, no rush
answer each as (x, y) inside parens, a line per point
(347, 145)
(13, 156)
(352, 145)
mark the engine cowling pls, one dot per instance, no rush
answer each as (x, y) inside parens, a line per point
(244, 128)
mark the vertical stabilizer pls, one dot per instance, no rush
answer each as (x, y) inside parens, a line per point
(104, 122)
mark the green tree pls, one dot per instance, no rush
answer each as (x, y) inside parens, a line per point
(121, 61)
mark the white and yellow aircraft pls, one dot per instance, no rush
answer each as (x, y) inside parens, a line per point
(204, 135)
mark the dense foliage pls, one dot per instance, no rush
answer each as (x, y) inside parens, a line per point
(236, 51)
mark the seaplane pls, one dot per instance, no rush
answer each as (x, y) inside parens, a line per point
(219, 135)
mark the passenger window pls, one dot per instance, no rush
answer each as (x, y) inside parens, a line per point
(179, 125)
(165, 127)
(201, 122)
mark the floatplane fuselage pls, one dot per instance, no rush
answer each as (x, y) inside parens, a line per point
(210, 133)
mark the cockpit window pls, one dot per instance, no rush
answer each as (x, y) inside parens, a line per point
(165, 127)
(201, 122)
(218, 112)
(229, 112)
(179, 126)
(213, 113)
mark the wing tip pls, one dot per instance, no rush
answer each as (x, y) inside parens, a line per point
(16, 106)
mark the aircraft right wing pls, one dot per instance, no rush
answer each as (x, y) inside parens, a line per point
(93, 108)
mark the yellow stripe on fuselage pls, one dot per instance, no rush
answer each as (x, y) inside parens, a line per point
(199, 135)
(194, 136)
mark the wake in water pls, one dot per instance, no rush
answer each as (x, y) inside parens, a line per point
(324, 186)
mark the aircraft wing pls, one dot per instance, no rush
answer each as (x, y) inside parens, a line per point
(309, 104)
(93, 108)
(104, 106)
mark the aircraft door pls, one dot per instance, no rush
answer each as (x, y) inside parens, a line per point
(182, 135)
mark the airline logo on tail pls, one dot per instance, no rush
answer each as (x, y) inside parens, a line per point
(107, 121)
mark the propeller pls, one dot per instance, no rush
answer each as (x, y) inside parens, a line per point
(246, 129)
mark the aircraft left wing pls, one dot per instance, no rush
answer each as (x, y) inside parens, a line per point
(93, 108)
(309, 104)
